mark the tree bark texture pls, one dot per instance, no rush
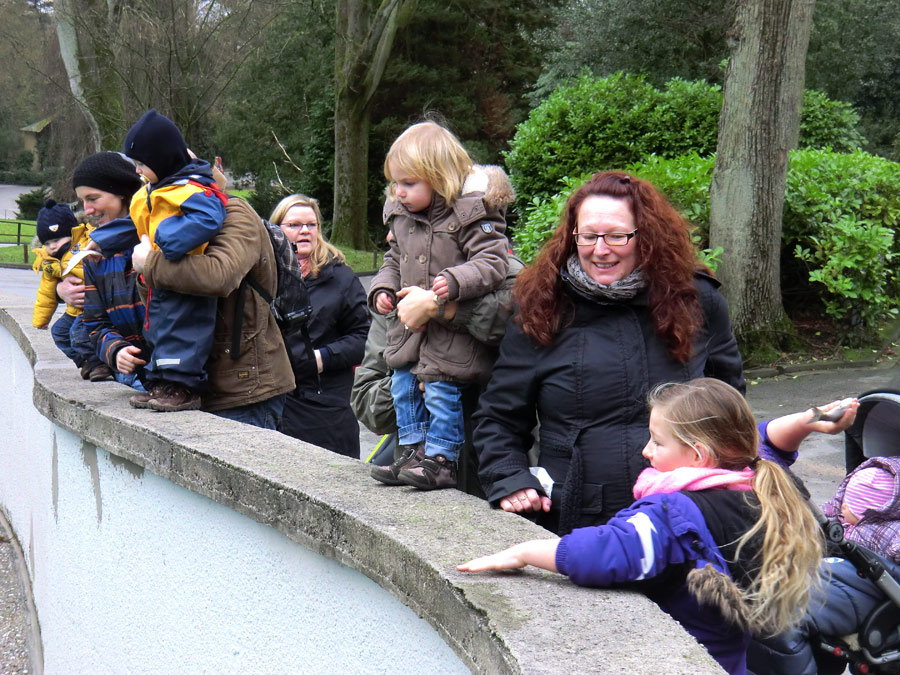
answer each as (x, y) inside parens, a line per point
(365, 36)
(758, 127)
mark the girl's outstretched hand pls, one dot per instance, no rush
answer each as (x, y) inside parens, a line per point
(539, 552)
(504, 560)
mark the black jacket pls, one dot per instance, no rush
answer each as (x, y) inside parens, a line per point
(588, 391)
(318, 410)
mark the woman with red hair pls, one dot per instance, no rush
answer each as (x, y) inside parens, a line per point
(615, 304)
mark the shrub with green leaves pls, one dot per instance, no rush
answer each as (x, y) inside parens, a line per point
(825, 123)
(594, 124)
(852, 258)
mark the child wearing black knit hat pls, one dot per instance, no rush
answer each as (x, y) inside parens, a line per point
(179, 210)
(63, 240)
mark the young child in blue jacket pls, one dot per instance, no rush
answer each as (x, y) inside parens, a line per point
(719, 537)
(177, 212)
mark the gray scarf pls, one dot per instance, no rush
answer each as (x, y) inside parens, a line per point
(623, 289)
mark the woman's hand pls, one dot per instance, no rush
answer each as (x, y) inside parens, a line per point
(383, 303)
(416, 307)
(139, 255)
(71, 291)
(127, 359)
(528, 500)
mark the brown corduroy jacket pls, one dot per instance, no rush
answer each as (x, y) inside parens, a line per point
(262, 369)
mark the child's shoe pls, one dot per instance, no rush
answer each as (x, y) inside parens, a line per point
(431, 473)
(174, 398)
(85, 370)
(142, 400)
(100, 372)
(410, 457)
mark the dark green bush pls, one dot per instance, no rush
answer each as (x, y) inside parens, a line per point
(606, 123)
(840, 221)
(609, 123)
(30, 203)
(825, 123)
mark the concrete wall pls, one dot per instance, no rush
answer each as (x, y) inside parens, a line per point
(187, 543)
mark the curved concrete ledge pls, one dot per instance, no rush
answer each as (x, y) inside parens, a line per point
(407, 542)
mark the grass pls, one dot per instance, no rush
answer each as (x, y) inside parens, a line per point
(362, 261)
(13, 254)
(10, 228)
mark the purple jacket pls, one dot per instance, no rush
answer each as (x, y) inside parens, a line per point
(656, 541)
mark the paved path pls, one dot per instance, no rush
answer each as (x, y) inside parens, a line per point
(8, 194)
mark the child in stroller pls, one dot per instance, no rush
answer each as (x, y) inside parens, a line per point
(853, 618)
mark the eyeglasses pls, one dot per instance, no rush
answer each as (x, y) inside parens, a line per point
(300, 226)
(610, 238)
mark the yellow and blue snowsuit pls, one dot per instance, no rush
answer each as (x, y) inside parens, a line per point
(52, 271)
(180, 214)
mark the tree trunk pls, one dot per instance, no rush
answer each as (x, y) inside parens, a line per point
(68, 49)
(351, 170)
(758, 127)
(85, 39)
(363, 43)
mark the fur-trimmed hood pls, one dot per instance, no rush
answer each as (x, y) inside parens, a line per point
(492, 181)
(488, 182)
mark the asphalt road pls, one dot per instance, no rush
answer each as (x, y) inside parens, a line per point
(8, 194)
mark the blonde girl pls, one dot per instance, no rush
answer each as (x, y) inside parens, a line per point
(719, 537)
(448, 224)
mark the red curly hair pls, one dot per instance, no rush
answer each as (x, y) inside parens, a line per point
(665, 253)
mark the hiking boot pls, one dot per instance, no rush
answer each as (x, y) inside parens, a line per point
(432, 473)
(142, 400)
(85, 370)
(410, 457)
(100, 372)
(173, 398)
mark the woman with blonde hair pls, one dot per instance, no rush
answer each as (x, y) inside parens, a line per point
(720, 537)
(318, 410)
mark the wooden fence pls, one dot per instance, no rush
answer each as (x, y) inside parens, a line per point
(17, 233)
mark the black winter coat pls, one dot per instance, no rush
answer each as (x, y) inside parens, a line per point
(588, 391)
(318, 410)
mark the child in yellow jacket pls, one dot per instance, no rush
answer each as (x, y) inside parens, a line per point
(63, 249)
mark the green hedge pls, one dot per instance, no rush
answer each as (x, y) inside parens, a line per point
(595, 124)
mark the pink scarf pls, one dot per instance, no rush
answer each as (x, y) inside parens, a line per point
(690, 478)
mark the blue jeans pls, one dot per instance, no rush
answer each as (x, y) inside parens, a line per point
(436, 417)
(73, 340)
(129, 380)
(265, 414)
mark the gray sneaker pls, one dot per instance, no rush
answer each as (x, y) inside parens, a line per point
(410, 457)
(432, 473)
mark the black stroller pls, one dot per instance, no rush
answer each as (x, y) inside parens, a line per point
(875, 648)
